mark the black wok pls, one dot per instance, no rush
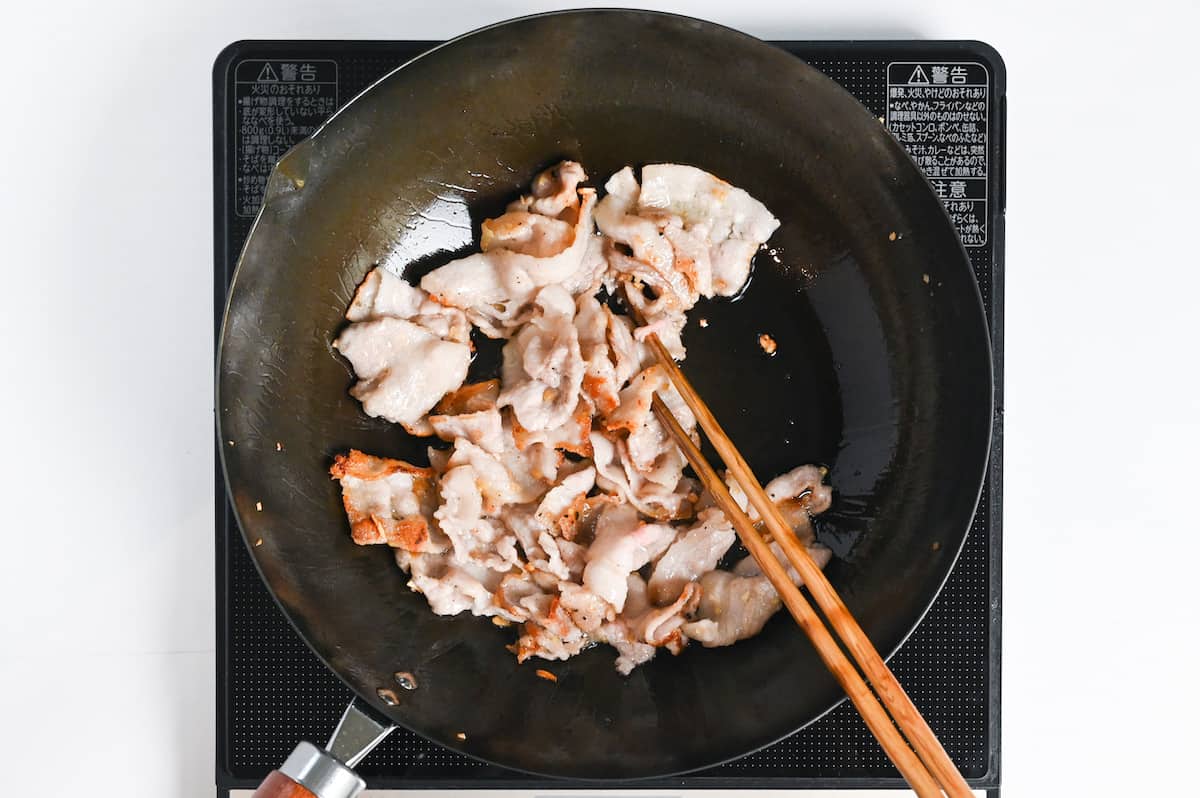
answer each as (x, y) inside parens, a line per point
(882, 370)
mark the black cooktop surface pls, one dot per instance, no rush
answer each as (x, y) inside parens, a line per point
(945, 102)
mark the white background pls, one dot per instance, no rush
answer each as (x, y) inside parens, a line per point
(106, 584)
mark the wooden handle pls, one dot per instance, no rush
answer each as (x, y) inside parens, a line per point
(277, 785)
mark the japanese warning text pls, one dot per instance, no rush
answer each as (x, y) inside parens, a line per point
(939, 113)
(276, 105)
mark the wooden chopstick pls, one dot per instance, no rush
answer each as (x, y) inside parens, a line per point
(864, 700)
(901, 707)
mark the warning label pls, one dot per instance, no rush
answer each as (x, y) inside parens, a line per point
(276, 105)
(939, 113)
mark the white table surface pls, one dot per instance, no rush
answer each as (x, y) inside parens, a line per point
(106, 583)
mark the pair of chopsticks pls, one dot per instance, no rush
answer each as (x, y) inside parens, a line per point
(925, 765)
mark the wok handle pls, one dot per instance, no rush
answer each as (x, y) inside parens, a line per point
(277, 785)
(311, 772)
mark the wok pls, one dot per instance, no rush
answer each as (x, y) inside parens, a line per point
(882, 370)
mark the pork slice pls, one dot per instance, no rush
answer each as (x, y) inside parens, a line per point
(483, 428)
(550, 633)
(451, 586)
(615, 475)
(495, 288)
(694, 553)
(554, 512)
(553, 191)
(731, 608)
(382, 294)
(402, 368)
(542, 368)
(389, 501)
(587, 610)
(623, 543)
(476, 539)
(733, 223)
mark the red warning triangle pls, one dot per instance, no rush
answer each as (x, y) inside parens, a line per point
(268, 73)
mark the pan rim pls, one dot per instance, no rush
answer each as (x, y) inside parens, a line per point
(772, 738)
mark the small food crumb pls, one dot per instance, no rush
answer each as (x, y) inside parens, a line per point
(767, 343)
(460, 736)
(258, 543)
(703, 322)
(279, 446)
(892, 236)
(925, 279)
(501, 622)
(936, 546)
(547, 675)
(258, 506)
